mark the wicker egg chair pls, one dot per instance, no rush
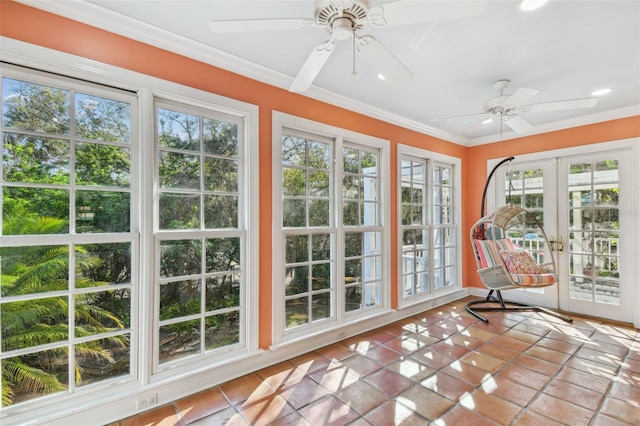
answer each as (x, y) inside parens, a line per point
(511, 251)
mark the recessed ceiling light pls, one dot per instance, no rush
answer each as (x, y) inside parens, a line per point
(381, 76)
(600, 92)
(487, 121)
(528, 5)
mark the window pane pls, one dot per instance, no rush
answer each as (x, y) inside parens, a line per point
(369, 163)
(293, 182)
(179, 211)
(297, 249)
(33, 269)
(370, 189)
(369, 214)
(319, 213)
(179, 340)
(351, 213)
(351, 159)
(372, 268)
(353, 244)
(297, 280)
(297, 311)
(103, 165)
(321, 279)
(319, 155)
(102, 264)
(103, 119)
(102, 312)
(180, 257)
(33, 159)
(48, 370)
(220, 175)
(319, 184)
(294, 213)
(102, 211)
(220, 138)
(99, 368)
(223, 254)
(321, 307)
(179, 171)
(221, 211)
(35, 211)
(350, 188)
(222, 330)
(353, 298)
(179, 299)
(178, 130)
(35, 107)
(223, 292)
(36, 322)
(294, 151)
(353, 270)
(321, 246)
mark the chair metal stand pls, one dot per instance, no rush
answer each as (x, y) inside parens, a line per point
(514, 306)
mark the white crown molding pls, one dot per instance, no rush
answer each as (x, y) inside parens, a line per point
(94, 15)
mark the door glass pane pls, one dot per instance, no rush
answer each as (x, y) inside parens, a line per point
(593, 192)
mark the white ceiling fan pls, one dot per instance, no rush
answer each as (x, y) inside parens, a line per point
(507, 107)
(344, 19)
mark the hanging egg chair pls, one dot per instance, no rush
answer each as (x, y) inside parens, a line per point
(511, 251)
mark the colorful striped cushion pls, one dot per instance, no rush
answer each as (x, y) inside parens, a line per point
(536, 280)
(488, 251)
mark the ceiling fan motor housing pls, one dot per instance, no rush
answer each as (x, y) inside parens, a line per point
(341, 19)
(494, 105)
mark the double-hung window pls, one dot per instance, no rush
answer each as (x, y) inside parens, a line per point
(121, 262)
(429, 234)
(201, 237)
(329, 212)
(68, 245)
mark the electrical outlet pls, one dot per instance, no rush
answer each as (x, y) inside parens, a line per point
(146, 402)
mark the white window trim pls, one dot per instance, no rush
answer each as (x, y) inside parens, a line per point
(431, 158)
(281, 121)
(91, 406)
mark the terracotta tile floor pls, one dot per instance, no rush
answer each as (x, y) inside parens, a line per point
(442, 367)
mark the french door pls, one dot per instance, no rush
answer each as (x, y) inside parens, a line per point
(580, 198)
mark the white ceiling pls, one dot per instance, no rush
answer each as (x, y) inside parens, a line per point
(565, 50)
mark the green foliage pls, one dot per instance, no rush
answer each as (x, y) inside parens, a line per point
(45, 320)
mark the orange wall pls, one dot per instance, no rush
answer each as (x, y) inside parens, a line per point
(72, 37)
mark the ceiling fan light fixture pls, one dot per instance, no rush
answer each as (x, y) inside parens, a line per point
(601, 92)
(342, 29)
(529, 5)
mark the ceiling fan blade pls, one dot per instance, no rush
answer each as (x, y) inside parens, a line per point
(251, 25)
(517, 123)
(382, 60)
(560, 105)
(312, 67)
(518, 97)
(469, 127)
(405, 12)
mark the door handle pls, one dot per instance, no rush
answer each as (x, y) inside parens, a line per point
(556, 245)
